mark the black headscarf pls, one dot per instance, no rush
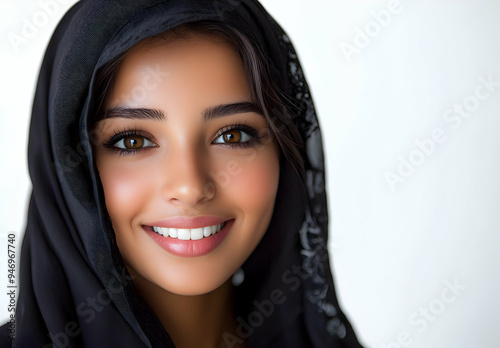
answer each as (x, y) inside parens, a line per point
(74, 288)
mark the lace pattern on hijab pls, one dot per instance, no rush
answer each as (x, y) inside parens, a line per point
(313, 232)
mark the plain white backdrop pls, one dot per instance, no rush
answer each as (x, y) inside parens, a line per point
(408, 96)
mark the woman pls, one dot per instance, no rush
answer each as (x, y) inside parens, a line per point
(169, 144)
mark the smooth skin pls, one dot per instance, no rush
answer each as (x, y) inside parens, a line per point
(185, 165)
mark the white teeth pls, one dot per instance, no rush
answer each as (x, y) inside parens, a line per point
(207, 231)
(173, 232)
(184, 234)
(187, 234)
(164, 231)
(196, 233)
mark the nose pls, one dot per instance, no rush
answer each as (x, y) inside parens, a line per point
(187, 180)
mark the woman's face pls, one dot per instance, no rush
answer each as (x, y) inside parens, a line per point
(183, 153)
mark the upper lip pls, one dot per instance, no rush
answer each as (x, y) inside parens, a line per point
(189, 222)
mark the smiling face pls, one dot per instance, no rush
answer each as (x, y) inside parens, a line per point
(184, 153)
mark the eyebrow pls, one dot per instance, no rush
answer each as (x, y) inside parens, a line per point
(158, 115)
(230, 109)
(133, 113)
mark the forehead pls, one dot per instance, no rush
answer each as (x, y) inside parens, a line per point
(196, 63)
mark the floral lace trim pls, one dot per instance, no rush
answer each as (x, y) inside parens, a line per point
(313, 232)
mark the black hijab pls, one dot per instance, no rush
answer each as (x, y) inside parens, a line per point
(74, 288)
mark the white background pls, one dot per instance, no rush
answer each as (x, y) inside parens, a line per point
(395, 252)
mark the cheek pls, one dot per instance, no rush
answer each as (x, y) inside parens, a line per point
(125, 192)
(253, 184)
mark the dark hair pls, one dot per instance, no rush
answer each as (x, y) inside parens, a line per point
(263, 91)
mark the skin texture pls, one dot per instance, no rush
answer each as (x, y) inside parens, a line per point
(182, 172)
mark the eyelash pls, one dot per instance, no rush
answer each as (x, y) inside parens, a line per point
(254, 135)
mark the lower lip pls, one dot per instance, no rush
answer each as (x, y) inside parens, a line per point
(190, 248)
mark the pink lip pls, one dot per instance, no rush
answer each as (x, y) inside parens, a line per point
(188, 222)
(190, 248)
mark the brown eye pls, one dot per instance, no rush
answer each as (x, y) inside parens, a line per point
(233, 136)
(133, 142)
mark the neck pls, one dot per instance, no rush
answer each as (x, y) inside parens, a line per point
(192, 321)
